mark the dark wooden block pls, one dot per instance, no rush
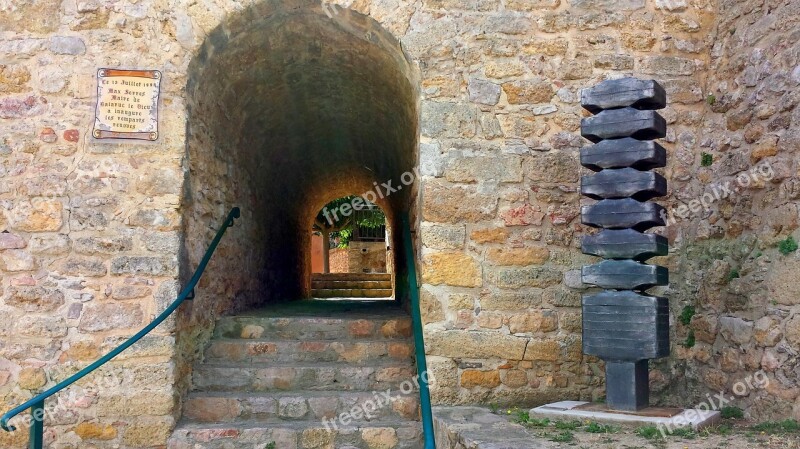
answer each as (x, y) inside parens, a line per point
(625, 325)
(623, 183)
(625, 152)
(623, 213)
(626, 122)
(624, 244)
(619, 93)
(624, 275)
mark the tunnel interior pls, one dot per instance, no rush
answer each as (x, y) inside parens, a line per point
(289, 110)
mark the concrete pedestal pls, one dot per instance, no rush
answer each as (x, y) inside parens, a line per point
(666, 419)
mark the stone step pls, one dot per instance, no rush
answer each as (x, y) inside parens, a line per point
(351, 284)
(351, 293)
(310, 406)
(298, 435)
(353, 351)
(351, 277)
(323, 376)
(394, 326)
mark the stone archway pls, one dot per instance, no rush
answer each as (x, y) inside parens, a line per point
(287, 109)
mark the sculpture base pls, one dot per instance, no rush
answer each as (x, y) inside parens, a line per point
(627, 385)
(666, 419)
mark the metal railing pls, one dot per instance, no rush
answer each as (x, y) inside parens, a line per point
(419, 342)
(36, 404)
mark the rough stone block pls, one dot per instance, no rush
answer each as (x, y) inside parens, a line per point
(457, 269)
(37, 216)
(95, 431)
(104, 317)
(543, 350)
(478, 378)
(457, 343)
(453, 204)
(482, 169)
(448, 120)
(143, 265)
(35, 299)
(529, 91)
(515, 278)
(517, 256)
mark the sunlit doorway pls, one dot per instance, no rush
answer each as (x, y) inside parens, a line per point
(351, 250)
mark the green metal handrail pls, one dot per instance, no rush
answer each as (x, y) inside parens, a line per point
(37, 403)
(419, 342)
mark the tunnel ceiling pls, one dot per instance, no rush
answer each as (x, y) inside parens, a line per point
(312, 107)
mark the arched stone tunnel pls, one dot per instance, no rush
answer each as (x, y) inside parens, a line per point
(287, 112)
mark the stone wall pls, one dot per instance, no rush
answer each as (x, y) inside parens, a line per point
(100, 236)
(500, 227)
(726, 263)
(367, 257)
(90, 233)
(340, 260)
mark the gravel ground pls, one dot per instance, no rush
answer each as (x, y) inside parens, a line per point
(730, 435)
(471, 427)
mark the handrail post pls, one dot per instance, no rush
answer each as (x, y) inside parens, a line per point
(419, 341)
(37, 426)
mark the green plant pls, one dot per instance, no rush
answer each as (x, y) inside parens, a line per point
(722, 429)
(270, 445)
(706, 159)
(690, 340)
(522, 416)
(686, 315)
(567, 425)
(563, 437)
(533, 422)
(594, 427)
(711, 99)
(494, 408)
(731, 412)
(786, 426)
(683, 432)
(733, 274)
(649, 432)
(787, 246)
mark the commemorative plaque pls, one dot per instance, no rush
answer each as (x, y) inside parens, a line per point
(127, 104)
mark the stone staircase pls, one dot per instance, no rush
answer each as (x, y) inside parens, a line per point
(351, 285)
(284, 375)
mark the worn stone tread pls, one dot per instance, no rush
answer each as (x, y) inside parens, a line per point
(406, 435)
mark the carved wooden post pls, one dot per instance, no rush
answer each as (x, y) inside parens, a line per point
(623, 325)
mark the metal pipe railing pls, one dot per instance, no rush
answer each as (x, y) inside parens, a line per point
(419, 342)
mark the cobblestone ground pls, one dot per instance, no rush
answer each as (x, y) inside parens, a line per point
(480, 428)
